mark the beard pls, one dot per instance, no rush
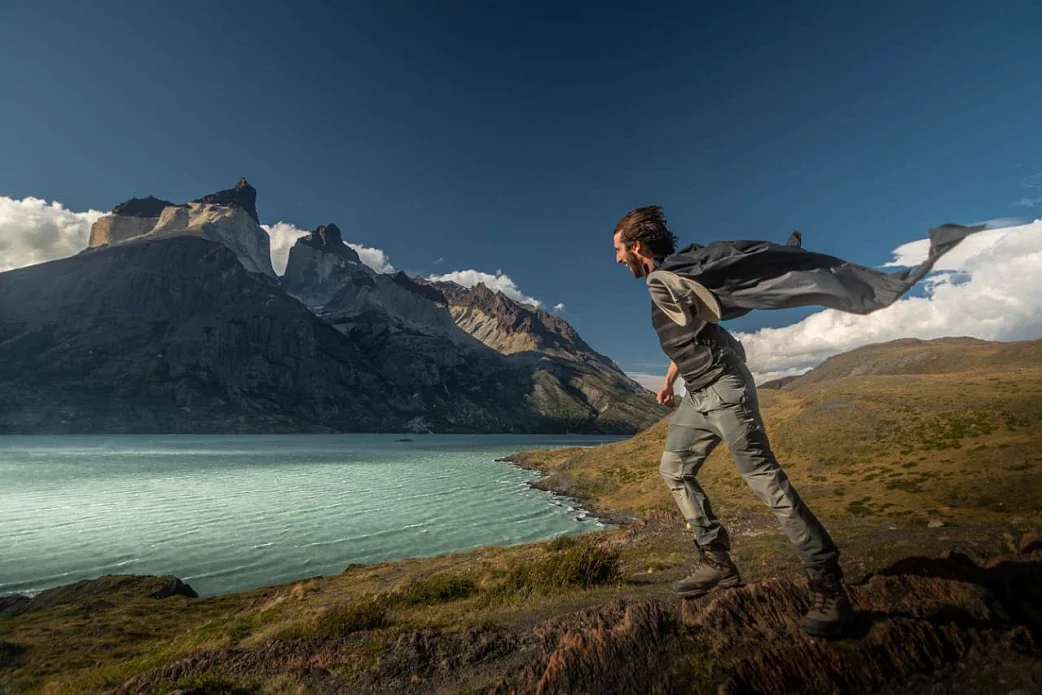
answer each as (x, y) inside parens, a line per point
(636, 266)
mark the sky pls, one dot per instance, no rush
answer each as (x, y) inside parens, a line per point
(502, 142)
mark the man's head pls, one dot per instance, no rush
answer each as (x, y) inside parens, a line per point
(640, 237)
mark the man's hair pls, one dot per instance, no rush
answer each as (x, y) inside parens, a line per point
(648, 226)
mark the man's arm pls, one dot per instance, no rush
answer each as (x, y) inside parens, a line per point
(665, 393)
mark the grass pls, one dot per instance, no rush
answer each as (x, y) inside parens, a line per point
(874, 457)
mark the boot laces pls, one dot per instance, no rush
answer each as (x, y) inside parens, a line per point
(825, 594)
(708, 560)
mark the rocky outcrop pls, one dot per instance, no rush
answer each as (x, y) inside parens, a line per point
(228, 217)
(916, 620)
(231, 226)
(508, 326)
(112, 587)
(570, 378)
(141, 207)
(243, 196)
(320, 265)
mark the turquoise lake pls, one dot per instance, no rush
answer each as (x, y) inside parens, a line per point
(227, 513)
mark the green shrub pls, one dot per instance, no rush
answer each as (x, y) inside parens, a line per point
(352, 617)
(562, 543)
(438, 588)
(578, 565)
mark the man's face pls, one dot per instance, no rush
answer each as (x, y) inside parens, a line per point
(627, 255)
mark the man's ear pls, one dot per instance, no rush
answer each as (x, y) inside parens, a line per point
(637, 247)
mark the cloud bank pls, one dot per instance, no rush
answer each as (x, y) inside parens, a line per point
(33, 231)
(284, 235)
(497, 283)
(989, 287)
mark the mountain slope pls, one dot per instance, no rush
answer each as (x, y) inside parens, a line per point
(441, 333)
(172, 335)
(568, 373)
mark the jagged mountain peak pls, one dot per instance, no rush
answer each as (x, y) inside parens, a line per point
(142, 207)
(243, 195)
(227, 217)
(329, 239)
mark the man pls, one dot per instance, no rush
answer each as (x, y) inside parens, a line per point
(721, 405)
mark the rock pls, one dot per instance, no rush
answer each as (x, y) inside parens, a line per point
(115, 229)
(174, 587)
(918, 617)
(935, 523)
(320, 265)
(1030, 542)
(226, 217)
(13, 604)
(243, 195)
(230, 226)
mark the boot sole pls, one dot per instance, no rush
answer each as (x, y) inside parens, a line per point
(725, 584)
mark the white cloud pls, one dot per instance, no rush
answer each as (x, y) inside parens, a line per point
(559, 307)
(284, 235)
(374, 258)
(497, 283)
(33, 231)
(1028, 202)
(990, 287)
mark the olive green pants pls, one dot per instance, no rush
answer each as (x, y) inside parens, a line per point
(728, 410)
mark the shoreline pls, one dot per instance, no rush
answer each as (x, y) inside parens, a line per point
(560, 483)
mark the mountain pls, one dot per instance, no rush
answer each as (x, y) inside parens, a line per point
(173, 321)
(228, 217)
(443, 333)
(320, 264)
(566, 368)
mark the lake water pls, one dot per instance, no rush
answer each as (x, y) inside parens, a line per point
(227, 513)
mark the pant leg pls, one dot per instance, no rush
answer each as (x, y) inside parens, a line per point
(733, 411)
(689, 442)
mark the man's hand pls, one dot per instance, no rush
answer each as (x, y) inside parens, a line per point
(665, 394)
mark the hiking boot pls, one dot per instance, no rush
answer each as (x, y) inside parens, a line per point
(714, 569)
(830, 609)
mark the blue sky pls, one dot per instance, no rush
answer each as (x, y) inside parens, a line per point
(513, 136)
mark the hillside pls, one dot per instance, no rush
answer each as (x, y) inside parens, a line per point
(945, 607)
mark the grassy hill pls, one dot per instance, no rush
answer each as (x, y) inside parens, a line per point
(909, 430)
(880, 442)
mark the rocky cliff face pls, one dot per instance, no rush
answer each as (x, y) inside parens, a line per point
(174, 335)
(320, 264)
(439, 331)
(569, 376)
(228, 217)
(510, 327)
